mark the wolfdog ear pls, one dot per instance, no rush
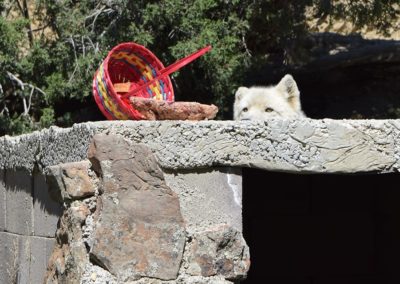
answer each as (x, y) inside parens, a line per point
(288, 88)
(240, 92)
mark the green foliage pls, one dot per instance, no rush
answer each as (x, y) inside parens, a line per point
(47, 119)
(57, 68)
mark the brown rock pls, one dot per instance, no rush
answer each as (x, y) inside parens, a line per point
(56, 265)
(69, 256)
(151, 109)
(79, 212)
(118, 163)
(140, 230)
(66, 264)
(107, 148)
(76, 180)
(70, 181)
(220, 251)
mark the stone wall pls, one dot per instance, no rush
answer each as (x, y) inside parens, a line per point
(123, 222)
(157, 202)
(28, 221)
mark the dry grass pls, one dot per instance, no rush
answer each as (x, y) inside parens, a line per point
(327, 24)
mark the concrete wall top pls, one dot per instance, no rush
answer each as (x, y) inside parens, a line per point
(302, 145)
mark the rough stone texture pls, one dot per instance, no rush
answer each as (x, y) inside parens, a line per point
(305, 145)
(19, 202)
(69, 256)
(46, 211)
(132, 229)
(70, 181)
(140, 230)
(151, 109)
(208, 197)
(49, 147)
(76, 180)
(218, 251)
(97, 275)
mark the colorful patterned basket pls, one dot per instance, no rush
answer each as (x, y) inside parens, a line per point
(132, 70)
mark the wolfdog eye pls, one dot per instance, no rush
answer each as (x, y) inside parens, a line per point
(268, 109)
(245, 109)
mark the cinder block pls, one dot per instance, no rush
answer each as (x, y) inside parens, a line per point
(19, 205)
(41, 249)
(45, 210)
(2, 202)
(209, 197)
(24, 259)
(15, 252)
(8, 266)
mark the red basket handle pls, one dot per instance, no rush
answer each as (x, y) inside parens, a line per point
(170, 69)
(184, 61)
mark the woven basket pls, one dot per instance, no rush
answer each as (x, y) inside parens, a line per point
(132, 70)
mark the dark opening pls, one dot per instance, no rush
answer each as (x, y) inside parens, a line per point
(322, 229)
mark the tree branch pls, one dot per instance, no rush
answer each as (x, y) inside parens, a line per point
(27, 104)
(20, 7)
(96, 14)
(15, 79)
(28, 25)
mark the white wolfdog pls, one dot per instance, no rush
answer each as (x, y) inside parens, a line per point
(261, 103)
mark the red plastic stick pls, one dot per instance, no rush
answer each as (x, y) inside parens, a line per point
(170, 69)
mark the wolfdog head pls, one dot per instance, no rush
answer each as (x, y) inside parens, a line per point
(261, 103)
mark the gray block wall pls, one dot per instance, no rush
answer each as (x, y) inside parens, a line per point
(19, 202)
(28, 222)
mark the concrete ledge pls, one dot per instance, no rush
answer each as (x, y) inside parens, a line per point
(306, 145)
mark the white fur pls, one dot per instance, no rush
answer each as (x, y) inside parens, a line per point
(261, 103)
